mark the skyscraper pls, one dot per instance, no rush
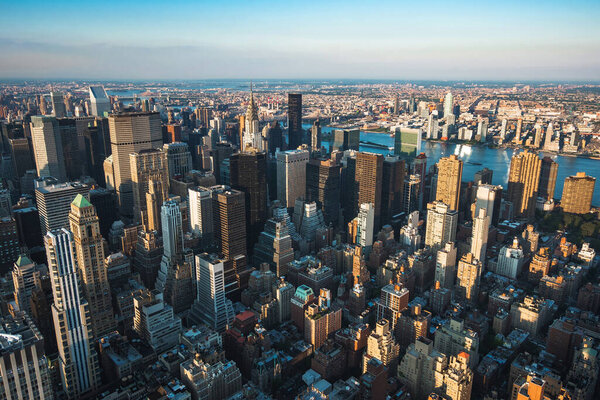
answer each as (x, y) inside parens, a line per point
(392, 188)
(467, 277)
(295, 132)
(249, 174)
(449, 179)
(201, 214)
(365, 225)
(89, 252)
(489, 197)
(291, 176)
(179, 159)
(47, 147)
(54, 203)
(154, 321)
(323, 187)
(441, 225)
(149, 183)
(578, 191)
(130, 133)
(315, 136)
(410, 197)
(548, 172)
(229, 218)
(448, 105)
(99, 101)
(479, 238)
(368, 182)
(58, 105)
(523, 181)
(77, 357)
(407, 142)
(445, 266)
(275, 246)
(382, 346)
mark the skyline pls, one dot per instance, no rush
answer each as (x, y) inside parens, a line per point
(301, 40)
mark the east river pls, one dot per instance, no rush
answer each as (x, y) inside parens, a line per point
(478, 157)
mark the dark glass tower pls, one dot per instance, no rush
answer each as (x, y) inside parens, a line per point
(323, 187)
(295, 133)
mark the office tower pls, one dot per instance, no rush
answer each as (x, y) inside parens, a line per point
(483, 177)
(22, 156)
(274, 246)
(392, 188)
(179, 159)
(489, 197)
(445, 267)
(99, 101)
(411, 194)
(249, 174)
(130, 133)
(517, 138)
(548, 143)
(346, 139)
(302, 298)
(503, 129)
(382, 346)
(220, 153)
(148, 251)
(291, 176)
(578, 192)
(315, 136)
(295, 132)
(448, 181)
(43, 105)
(58, 105)
(323, 187)
(54, 203)
(458, 378)
(348, 186)
(105, 202)
(448, 104)
(421, 368)
(211, 381)
(149, 183)
(201, 214)
(365, 225)
(154, 321)
(467, 277)
(47, 147)
(409, 235)
(25, 368)
(321, 320)
(432, 127)
(229, 218)
(9, 244)
(548, 172)
(27, 278)
(77, 357)
(482, 130)
(479, 237)
(523, 180)
(393, 300)
(251, 136)
(89, 253)
(28, 227)
(211, 306)
(510, 260)
(441, 224)
(407, 142)
(73, 145)
(368, 177)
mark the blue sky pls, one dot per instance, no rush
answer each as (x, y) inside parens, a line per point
(520, 40)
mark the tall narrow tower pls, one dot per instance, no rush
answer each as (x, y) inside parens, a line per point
(449, 178)
(295, 132)
(523, 180)
(77, 357)
(89, 251)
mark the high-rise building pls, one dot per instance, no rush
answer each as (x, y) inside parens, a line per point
(58, 105)
(27, 278)
(382, 346)
(441, 224)
(229, 218)
(89, 252)
(25, 371)
(99, 101)
(150, 185)
(201, 214)
(211, 306)
(365, 225)
(453, 338)
(291, 176)
(548, 172)
(47, 147)
(510, 260)
(448, 104)
(393, 300)
(523, 182)
(489, 197)
(22, 156)
(578, 192)
(9, 243)
(275, 246)
(411, 194)
(467, 277)
(458, 377)
(250, 127)
(315, 136)
(54, 203)
(479, 237)
(445, 267)
(345, 139)
(131, 133)
(77, 357)
(448, 181)
(248, 173)
(392, 188)
(321, 320)
(154, 321)
(368, 182)
(407, 142)
(295, 131)
(323, 187)
(421, 368)
(409, 235)
(179, 159)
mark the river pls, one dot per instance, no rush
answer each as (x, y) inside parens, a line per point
(478, 157)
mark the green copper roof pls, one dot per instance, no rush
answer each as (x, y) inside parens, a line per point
(23, 260)
(81, 201)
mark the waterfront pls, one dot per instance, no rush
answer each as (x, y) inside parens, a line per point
(478, 157)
